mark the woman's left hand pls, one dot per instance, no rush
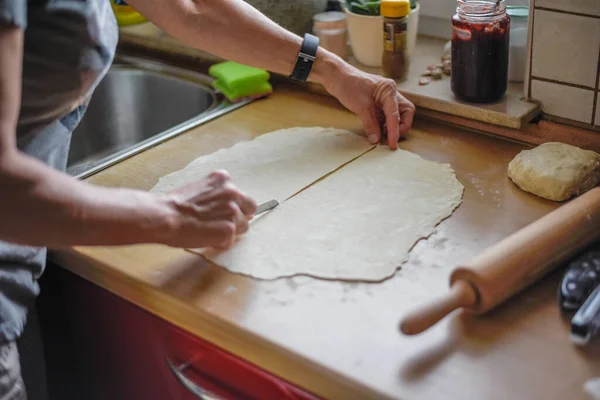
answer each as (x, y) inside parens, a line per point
(375, 100)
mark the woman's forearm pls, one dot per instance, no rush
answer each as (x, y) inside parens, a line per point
(236, 31)
(41, 206)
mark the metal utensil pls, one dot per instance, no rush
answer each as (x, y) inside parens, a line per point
(585, 325)
(266, 206)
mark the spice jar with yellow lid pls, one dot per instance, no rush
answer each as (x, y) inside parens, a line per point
(395, 59)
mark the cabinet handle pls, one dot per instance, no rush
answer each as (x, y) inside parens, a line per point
(198, 391)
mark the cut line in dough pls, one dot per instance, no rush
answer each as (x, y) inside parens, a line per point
(357, 224)
(353, 210)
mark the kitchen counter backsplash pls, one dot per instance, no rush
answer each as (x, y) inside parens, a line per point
(294, 15)
(564, 60)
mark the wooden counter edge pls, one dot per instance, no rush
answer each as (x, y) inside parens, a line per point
(493, 118)
(533, 133)
(304, 373)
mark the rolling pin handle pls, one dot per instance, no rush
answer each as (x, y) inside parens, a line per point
(461, 294)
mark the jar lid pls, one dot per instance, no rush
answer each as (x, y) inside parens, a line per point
(329, 16)
(517, 11)
(394, 8)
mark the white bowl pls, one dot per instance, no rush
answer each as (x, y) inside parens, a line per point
(366, 38)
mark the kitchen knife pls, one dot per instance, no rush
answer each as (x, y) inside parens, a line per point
(266, 206)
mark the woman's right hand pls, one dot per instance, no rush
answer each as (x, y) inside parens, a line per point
(210, 212)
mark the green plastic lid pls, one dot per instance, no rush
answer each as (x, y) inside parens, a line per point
(517, 11)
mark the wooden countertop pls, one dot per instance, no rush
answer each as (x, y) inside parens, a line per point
(512, 111)
(341, 340)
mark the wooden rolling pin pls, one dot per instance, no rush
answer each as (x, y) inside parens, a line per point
(514, 263)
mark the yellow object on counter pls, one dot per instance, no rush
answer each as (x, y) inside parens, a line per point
(396, 59)
(125, 14)
(394, 8)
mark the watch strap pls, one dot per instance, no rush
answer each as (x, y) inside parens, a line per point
(306, 58)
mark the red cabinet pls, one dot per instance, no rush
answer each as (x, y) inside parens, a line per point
(125, 352)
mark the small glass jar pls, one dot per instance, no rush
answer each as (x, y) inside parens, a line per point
(480, 48)
(330, 28)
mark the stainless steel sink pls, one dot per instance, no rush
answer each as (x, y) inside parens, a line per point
(140, 104)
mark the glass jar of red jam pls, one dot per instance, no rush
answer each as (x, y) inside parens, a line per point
(480, 32)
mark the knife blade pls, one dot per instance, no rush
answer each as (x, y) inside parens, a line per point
(266, 206)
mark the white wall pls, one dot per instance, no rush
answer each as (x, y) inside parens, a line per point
(435, 15)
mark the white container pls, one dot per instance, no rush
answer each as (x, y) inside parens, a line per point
(366, 36)
(412, 30)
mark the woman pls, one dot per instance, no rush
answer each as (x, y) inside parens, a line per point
(52, 55)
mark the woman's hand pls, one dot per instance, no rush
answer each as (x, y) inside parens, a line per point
(208, 213)
(375, 100)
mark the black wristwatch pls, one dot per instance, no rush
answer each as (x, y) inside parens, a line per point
(306, 58)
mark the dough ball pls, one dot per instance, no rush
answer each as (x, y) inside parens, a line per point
(555, 171)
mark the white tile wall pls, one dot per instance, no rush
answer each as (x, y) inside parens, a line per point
(564, 101)
(591, 7)
(565, 47)
(564, 59)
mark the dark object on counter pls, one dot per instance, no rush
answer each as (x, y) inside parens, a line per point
(586, 322)
(480, 47)
(333, 5)
(580, 279)
(395, 60)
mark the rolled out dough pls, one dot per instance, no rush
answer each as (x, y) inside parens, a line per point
(555, 171)
(357, 224)
(275, 165)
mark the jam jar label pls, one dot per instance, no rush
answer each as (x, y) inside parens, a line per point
(394, 36)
